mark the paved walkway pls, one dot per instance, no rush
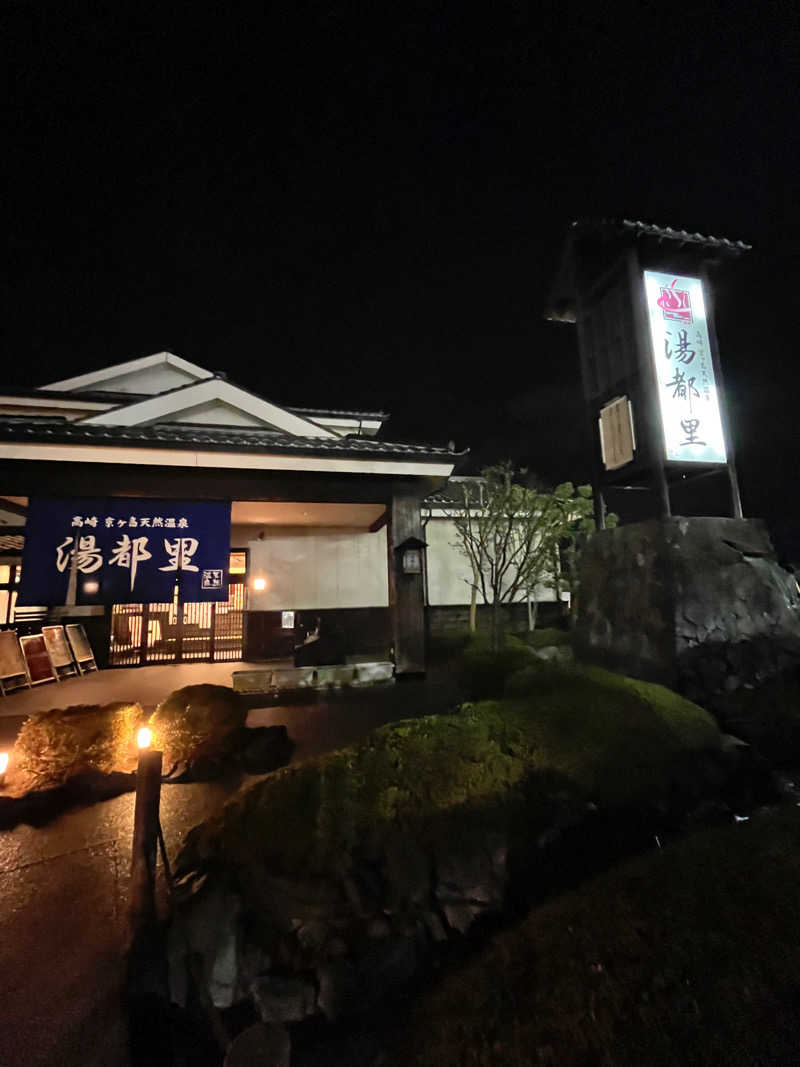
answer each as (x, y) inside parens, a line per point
(63, 887)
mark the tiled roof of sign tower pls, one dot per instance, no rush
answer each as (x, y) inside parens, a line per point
(214, 439)
(561, 300)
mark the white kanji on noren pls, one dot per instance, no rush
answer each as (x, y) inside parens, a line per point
(130, 552)
(180, 552)
(89, 557)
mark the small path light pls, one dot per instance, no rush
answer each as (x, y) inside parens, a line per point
(144, 737)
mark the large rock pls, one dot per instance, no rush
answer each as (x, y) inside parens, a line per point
(699, 604)
(198, 722)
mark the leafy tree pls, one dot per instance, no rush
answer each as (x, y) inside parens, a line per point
(514, 537)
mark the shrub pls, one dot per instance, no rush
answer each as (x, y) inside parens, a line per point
(55, 745)
(546, 637)
(197, 720)
(484, 671)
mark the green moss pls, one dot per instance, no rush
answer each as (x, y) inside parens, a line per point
(600, 737)
(690, 955)
(546, 637)
(484, 670)
(197, 720)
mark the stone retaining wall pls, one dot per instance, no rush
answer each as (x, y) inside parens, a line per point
(698, 604)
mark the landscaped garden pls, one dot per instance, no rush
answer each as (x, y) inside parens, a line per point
(331, 887)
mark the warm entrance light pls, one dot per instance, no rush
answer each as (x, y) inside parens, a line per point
(259, 584)
(144, 737)
(3, 762)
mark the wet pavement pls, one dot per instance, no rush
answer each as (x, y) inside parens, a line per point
(63, 886)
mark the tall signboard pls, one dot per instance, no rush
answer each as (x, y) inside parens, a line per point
(124, 550)
(684, 371)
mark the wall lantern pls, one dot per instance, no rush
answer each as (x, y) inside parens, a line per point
(259, 584)
(409, 554)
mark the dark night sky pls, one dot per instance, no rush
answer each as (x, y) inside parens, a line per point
(360, 205)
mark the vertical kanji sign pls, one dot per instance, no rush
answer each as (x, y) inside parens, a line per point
(122, 551)
(687, 389)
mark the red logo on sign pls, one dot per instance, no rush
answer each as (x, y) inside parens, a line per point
(675, 304)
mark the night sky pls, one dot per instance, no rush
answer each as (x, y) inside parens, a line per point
(361, 205)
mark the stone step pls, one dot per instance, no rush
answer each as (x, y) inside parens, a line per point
(335, 676)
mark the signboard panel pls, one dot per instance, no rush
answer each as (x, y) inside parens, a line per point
(687, 389)
(125, 551)
(617, 440)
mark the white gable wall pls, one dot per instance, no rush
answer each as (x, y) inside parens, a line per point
(148, 375)
(216, 413)
(150, 381)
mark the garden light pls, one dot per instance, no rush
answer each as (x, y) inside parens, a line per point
(144, 737)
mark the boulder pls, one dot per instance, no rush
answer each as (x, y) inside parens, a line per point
(197, 722)
(265, 748)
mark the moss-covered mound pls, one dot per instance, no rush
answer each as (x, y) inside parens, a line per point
(53, 746)
(690, 955)
(197, 721)
(585, 734)
(484, 670)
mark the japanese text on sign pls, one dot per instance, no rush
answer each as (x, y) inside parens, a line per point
(135, 553)
(687, 389)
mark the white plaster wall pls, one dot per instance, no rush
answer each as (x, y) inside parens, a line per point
(147, 380)
(217, 413)
(308, 568)
(449, 570)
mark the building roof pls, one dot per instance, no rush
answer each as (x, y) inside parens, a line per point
(211, 438)
(661, 233)
(561, 299)
(312, 413)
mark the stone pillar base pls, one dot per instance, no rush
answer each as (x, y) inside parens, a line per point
(699, 604)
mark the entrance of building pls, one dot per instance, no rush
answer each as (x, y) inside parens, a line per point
(178, 632)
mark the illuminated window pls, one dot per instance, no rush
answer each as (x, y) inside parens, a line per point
(287, 620)
(5, 574)
(237, 563)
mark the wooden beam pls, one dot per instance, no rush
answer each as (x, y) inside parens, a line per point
(380, 522)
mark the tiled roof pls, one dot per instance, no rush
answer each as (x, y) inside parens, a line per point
(561, 300)
(667, 233)
(11, 543)
(322, 412)
(215, 439)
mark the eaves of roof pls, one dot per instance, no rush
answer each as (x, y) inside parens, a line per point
(378, 416)
(60, 431)
(561, 299)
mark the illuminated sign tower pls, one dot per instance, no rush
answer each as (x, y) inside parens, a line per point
(652, 385)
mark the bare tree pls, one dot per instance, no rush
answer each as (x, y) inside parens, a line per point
(511, 535)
